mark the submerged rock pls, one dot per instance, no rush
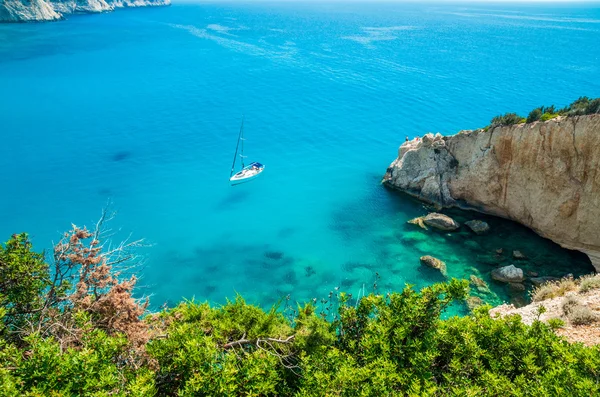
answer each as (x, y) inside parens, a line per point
(434, 263)
(478, 227)
(517, 287)
(472, 245)
(508, 274)
(441, 222)
(473, 302)
(519, 255)
(414, 237)
(479, 284)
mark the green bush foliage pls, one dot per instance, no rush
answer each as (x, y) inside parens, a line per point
(580, 107)
(507, 120)
(381, 345)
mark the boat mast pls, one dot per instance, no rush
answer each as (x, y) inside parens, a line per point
(242, 139)
(236, 148)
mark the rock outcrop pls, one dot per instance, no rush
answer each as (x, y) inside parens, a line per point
(27, 10)
(544, 175)
(508, 274)
(433, 263)
(441, 222)
(52, 10)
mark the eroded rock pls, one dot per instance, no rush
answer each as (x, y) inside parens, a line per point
(433, 263)
(441, 222)
(543, 175)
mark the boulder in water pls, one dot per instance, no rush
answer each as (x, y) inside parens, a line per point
(441, 222)
(508, 274)
(434, 263)
(478, 227)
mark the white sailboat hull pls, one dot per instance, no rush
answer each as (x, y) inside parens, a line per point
(247, 174)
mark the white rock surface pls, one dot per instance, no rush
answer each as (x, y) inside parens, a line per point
(508, 274)
(50, 10)
(27, 10)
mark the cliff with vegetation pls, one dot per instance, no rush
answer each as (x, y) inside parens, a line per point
(71, 326)
(52, 10)
(542, 174)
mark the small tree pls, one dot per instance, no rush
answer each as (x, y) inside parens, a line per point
(24, 277)
(85, 284)
(535, 115)
(507, 120)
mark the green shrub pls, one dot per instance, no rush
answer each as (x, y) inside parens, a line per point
(507, 119)
(534, 115)
(581, 106)
(549, 116)
(382, 345)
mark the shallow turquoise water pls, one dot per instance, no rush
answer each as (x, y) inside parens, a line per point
(143, 107)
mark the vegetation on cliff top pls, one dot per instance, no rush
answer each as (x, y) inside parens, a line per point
(77, 330)
(580, 107)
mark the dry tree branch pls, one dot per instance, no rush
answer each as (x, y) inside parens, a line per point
(257, 341)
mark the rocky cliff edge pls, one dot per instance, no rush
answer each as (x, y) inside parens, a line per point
(544, 175)
(52, 10)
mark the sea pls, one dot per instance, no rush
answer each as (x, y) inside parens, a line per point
(140, 109)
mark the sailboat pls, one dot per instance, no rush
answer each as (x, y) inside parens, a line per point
(248, 172)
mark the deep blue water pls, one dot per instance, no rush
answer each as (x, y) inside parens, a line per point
(142, 107)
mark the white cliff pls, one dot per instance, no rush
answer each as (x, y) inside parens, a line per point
(27, 10)
(544, 175)
(51, 10)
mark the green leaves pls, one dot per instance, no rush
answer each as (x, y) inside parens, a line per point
(389, 345)
(24, 276)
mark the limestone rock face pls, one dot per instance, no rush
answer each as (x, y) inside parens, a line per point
(508, 274)
(50, 10)
(544, 175)
(80, 6)
(27, 10)
(441, 222)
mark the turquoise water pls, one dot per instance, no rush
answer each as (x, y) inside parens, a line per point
(142, 107)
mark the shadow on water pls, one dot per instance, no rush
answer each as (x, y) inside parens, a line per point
(121, 156)
(233, 199)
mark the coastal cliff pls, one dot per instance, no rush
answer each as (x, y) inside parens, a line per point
(544, 175)
(52, 10)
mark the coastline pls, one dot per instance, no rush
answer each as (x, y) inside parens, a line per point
(16, 11)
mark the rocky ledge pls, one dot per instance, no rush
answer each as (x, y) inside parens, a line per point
(52, 10)
(544, 175)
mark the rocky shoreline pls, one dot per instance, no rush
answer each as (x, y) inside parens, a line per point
(543, 175)
(53, 10)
